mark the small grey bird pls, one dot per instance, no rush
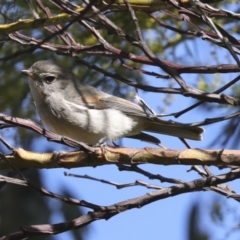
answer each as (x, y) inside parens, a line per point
(86, 114)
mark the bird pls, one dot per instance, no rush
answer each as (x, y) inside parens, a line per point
(86, 114)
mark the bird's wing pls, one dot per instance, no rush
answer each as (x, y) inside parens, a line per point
(95, 99)
(122, 105)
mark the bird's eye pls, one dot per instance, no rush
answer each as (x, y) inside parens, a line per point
(49, 79)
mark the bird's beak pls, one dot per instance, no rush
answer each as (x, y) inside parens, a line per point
(27, 73)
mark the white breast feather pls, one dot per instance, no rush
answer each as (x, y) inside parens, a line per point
(111, 123)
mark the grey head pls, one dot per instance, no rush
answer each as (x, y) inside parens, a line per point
(46, 71)
(47, 77)
(48, 80)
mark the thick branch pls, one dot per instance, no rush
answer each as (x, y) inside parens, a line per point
(37, 23)
(109, 155)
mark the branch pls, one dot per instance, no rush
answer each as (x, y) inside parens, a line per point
(117, 185)
(110, 155)
(110, 51)
(106, 212)
(37, 23)
(65, 17)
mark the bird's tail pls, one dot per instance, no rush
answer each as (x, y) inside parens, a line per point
(175, 129)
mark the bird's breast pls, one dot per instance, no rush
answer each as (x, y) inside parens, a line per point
(86, 125)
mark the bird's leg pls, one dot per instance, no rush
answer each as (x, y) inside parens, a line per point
(101, 142)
